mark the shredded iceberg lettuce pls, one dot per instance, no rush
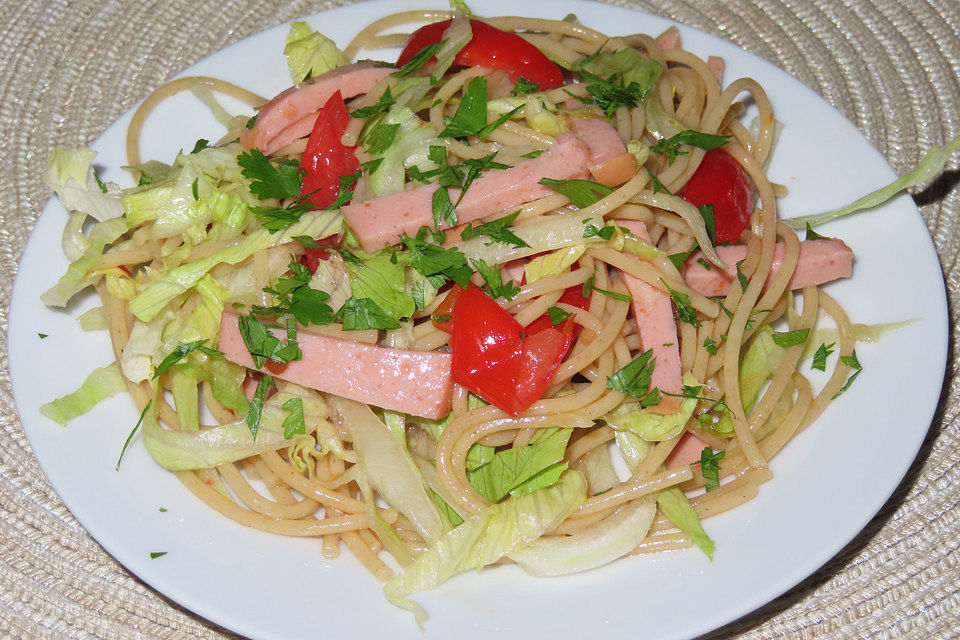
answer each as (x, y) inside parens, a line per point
(70, 175)
(650, 426)
(102, 383)
(498, 530)
(310, 53)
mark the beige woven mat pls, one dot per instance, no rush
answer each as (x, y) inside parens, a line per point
(69, 68)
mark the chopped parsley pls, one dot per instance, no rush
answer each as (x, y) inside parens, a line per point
(524, 86)
(360, 314)
(494, 280)
(381, 137)
(710, 467)
(294, 423)
(126, 443)
(710, 346)
(436, 263)
(419, 59)
(679, 258)
(813, 235)
(788, 339)
(634, 379)
(742, 279)
(657, 185)
(671, 146)
(42, 335)
(612, 93)
(582, 193)
(852, 362)
(268, 179)
(383, 105)
(200, 145)
(255, 411)
(820, 357)
(497, 230)
(181, 351)
(613, 294)
(263, 345)
(157, 554)
(558, 315)
(685, 311)
(709, 221)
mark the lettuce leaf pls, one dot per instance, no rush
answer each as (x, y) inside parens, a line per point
(385, 463)
(681, 513)
(523, 469)
(102, 383)
(598, 544)
(627, 65)
(76, 278)
(498, 530)
(70, 175)
(183, 450)
(309, 53)
(383, 281)
(650, 426)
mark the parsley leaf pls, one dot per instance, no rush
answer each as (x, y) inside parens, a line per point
(294, 423)
(263, 345)
(671, 146)
(679, 258)
(685, 309)
(852, 362)
(157, 554)
(42, 335)
(200, 145)
(582, 193)
(268, 179)
(657, 185)
(181, 351)
(471, 114)
(558, 315)
(524, 86)
(613, 294)
(710, 346)
(276, 219)
(419, 59)
(592, 231)
(255, 411)
(587, 290)
(435, 262)
(494, 280)
(536, 153)
(634, 379)
(706, 212)
(103, 187)
(251, 122)
(348, 184)
(788, 339)
(710, 467)
(443, 209)
(126, 443)
(383, 104)
(360, 314)
(496, 230)
(742, 279)
(309, 306)
(381, 137)
(612, 93)
(820, 357)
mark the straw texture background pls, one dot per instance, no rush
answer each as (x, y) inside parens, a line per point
(69, 68)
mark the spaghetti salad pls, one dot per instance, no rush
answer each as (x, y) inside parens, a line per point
(427, 303)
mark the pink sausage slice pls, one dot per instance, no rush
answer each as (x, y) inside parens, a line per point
(610, 162)
(821, 261)
(653, 311)
(291, 114)
(687, 451)
(414, 382)
(379, 222)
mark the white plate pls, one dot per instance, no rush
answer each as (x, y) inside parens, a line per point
(828, 483)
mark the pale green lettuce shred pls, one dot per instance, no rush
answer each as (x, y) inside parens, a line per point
(595, 546)
(650, 426)
(410, 148)
(540, 113)
(223, 194)
(202, 323)
(94, 319)
(546, 234)
(626, 64)
(383, 281)
(102, 383)
(76, 278)
(309, 52)
(455, 38)
(186, 399)
(385, 463)
(860, 333)
(484, 538)
(225, 378)
(73, 242)
(523, 469)
(681, 513)
(143, 346)
(553, 263)
(151, 300)
(70, 175)
(931, 164)
(673, 502)
(183, 450)
(205, 95)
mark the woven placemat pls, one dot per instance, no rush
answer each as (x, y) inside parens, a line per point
(68, 69)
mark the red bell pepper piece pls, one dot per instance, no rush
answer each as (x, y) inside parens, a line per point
(445, 308)
(491, 48)
(493, 358)
(313, 256)
(722, 182)
(325, 158)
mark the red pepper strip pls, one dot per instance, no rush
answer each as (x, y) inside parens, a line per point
(445, 308)
(326, 159)
(491, 48)
(722, 182)
(313, 256)
(573, 296)
(492, 358)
